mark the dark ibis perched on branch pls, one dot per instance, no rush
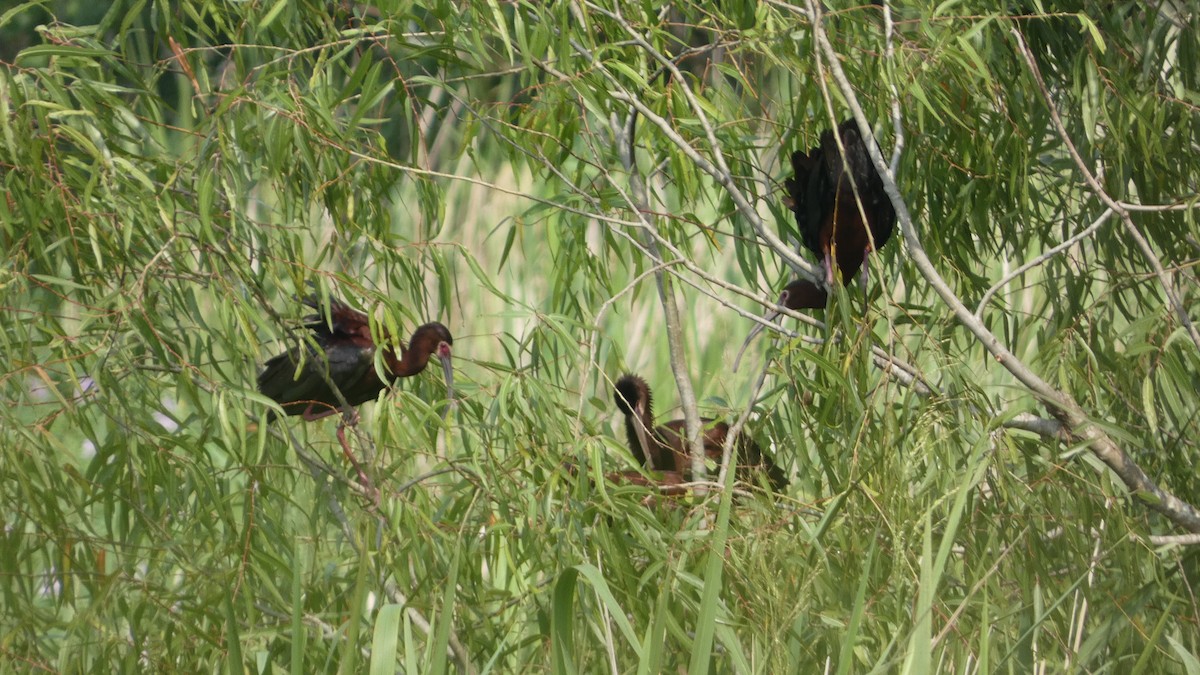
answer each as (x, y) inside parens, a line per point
(663, 448)
(842, 213)
(339, 363)
(837, 197)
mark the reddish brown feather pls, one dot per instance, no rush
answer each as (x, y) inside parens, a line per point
(668, 451)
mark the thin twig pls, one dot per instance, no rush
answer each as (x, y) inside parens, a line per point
(1079, 610)
(610, 647)
(455, 647)
(1192, 204)
(593, 340)
(623, 135)
(952, 621)
(717, 168)
(727, 454)
(904, 372)
(318, 470)
(1041, 259)
(1176, 539)
(1147, 252)
(1075, 420)
(889, 56)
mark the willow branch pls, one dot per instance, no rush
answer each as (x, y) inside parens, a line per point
(727, 453)
(889, 55)
(905, 373)
(1181, 539)
(623, 138)
(888, 363)
(1041, 259)
(1143, 245)
(717, 169)
(1193, 203)
(1062, 406)
(454, 646)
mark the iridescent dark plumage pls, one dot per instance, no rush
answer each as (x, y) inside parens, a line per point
(822, 195)
(340, 359)
(665, 445)
(344, 357)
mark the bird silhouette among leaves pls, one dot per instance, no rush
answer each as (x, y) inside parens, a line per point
(663, 448)
(839, 202)
(337, 366)
(842, 212)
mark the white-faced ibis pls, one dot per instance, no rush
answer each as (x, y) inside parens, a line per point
(829, 198)
(341, 357)
(826, 195)
(663, 448)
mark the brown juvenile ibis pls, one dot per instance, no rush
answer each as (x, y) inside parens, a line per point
(664, 483)
(668, 483)
(826, 195)
(341, 358)
(663, 448)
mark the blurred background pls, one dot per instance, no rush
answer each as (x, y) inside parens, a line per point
(177, 175)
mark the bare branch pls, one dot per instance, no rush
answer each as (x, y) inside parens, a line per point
(455, 647)
(1180, 539)
(905, 373)
(889, 55)
(727, 454)
(1194, 203)
(1038, 425)
(717, 168)
(623, 138)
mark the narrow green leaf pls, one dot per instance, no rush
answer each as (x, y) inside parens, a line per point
(233, 639)
(350, 648)
(269, 18)
(920, 641)
(1191, 663)
(299, 632)
(445, 620)
(706, 619)
(386, 639)
(562, 632)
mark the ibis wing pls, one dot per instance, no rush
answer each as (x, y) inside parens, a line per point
(820, 174)
(352, 369)
(881, 216)
(296, 386)
(812, 195)
(344, 321)
(280, 382)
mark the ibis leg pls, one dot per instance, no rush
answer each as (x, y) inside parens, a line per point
(362, 476)
(866, 275)
(310, 415)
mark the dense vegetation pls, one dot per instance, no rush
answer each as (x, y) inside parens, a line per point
(992, 447)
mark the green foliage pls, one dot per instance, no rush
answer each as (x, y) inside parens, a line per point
(175, 175)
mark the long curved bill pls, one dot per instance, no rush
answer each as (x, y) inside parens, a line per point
(799, 294)
(758, 328)
(640, 429)
(443, 353)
